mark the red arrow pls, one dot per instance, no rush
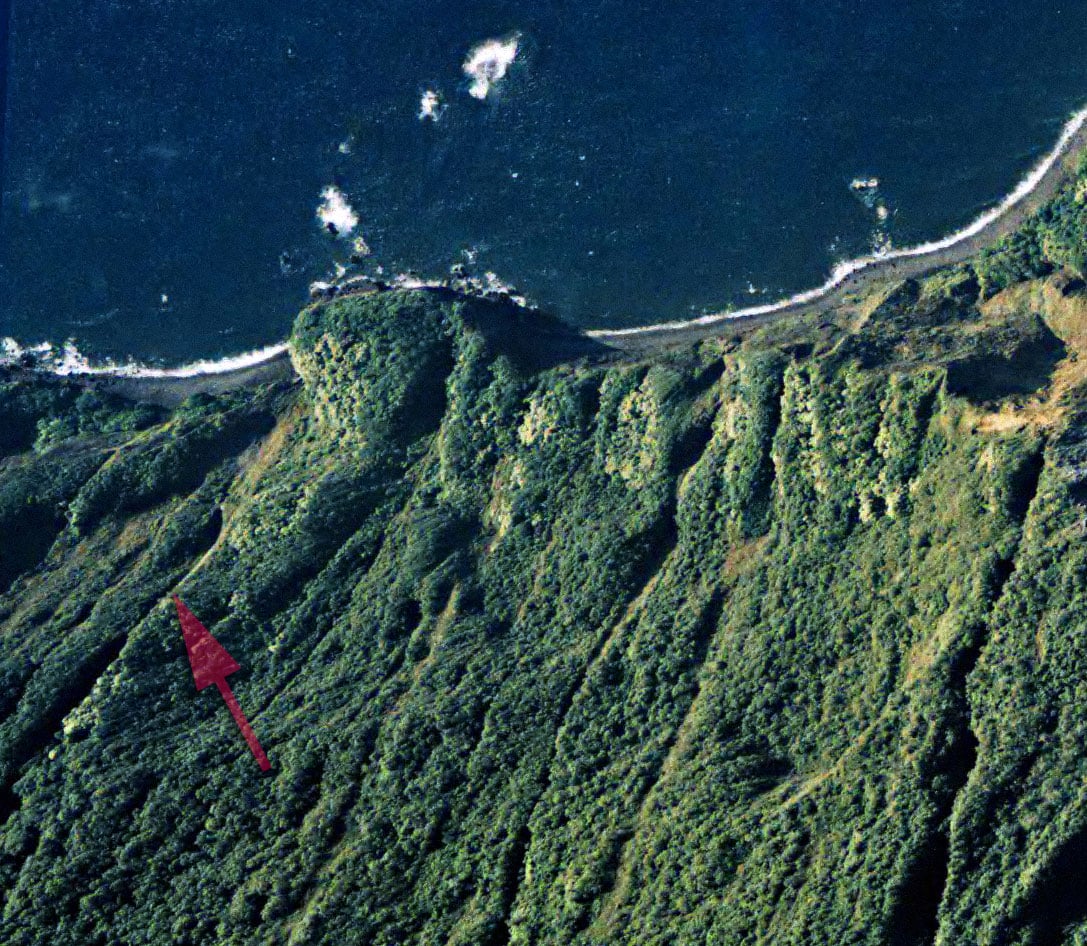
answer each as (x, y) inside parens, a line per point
(212, 664)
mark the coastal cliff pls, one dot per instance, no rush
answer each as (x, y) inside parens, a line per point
(773, 638)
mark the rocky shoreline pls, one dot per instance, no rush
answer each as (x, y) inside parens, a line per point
(169, 392)
(169, 388)
(163, 391)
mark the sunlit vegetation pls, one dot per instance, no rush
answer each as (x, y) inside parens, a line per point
(775, 639)
(1055, 237)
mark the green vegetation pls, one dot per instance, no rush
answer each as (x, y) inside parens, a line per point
(1055, 237)
(776, 639)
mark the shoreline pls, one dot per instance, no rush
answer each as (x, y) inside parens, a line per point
(165, 391)
(70, 363)
(1037, 187)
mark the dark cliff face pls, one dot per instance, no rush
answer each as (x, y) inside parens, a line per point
(775, 639)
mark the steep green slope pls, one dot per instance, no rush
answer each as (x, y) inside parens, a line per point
(777, 639)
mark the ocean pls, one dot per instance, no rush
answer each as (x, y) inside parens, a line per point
(177, 173)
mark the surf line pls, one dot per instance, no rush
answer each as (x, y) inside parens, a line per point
(848, 268)
(68, 361)
(71, 362)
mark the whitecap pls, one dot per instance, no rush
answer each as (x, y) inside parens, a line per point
(492, 283)
(67, 360)
(413, 281)
(488, 63)
(431, 106)
(335, 212)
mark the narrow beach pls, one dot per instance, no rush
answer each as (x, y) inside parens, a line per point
(171, 385)
(1032, 192)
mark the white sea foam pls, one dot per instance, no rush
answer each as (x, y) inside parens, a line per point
(11, 349)
(430, 106)
(493, 283)
(411, 281)
(335, 210)
(67, 360)
(848, 268)
(488, 63)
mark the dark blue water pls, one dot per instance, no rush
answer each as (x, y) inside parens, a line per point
(5, 33)
(639, 161)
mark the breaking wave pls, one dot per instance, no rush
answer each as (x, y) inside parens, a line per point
(67, 360)
(431, 106)
(848, 268)
(488, 63)
(335, 213)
